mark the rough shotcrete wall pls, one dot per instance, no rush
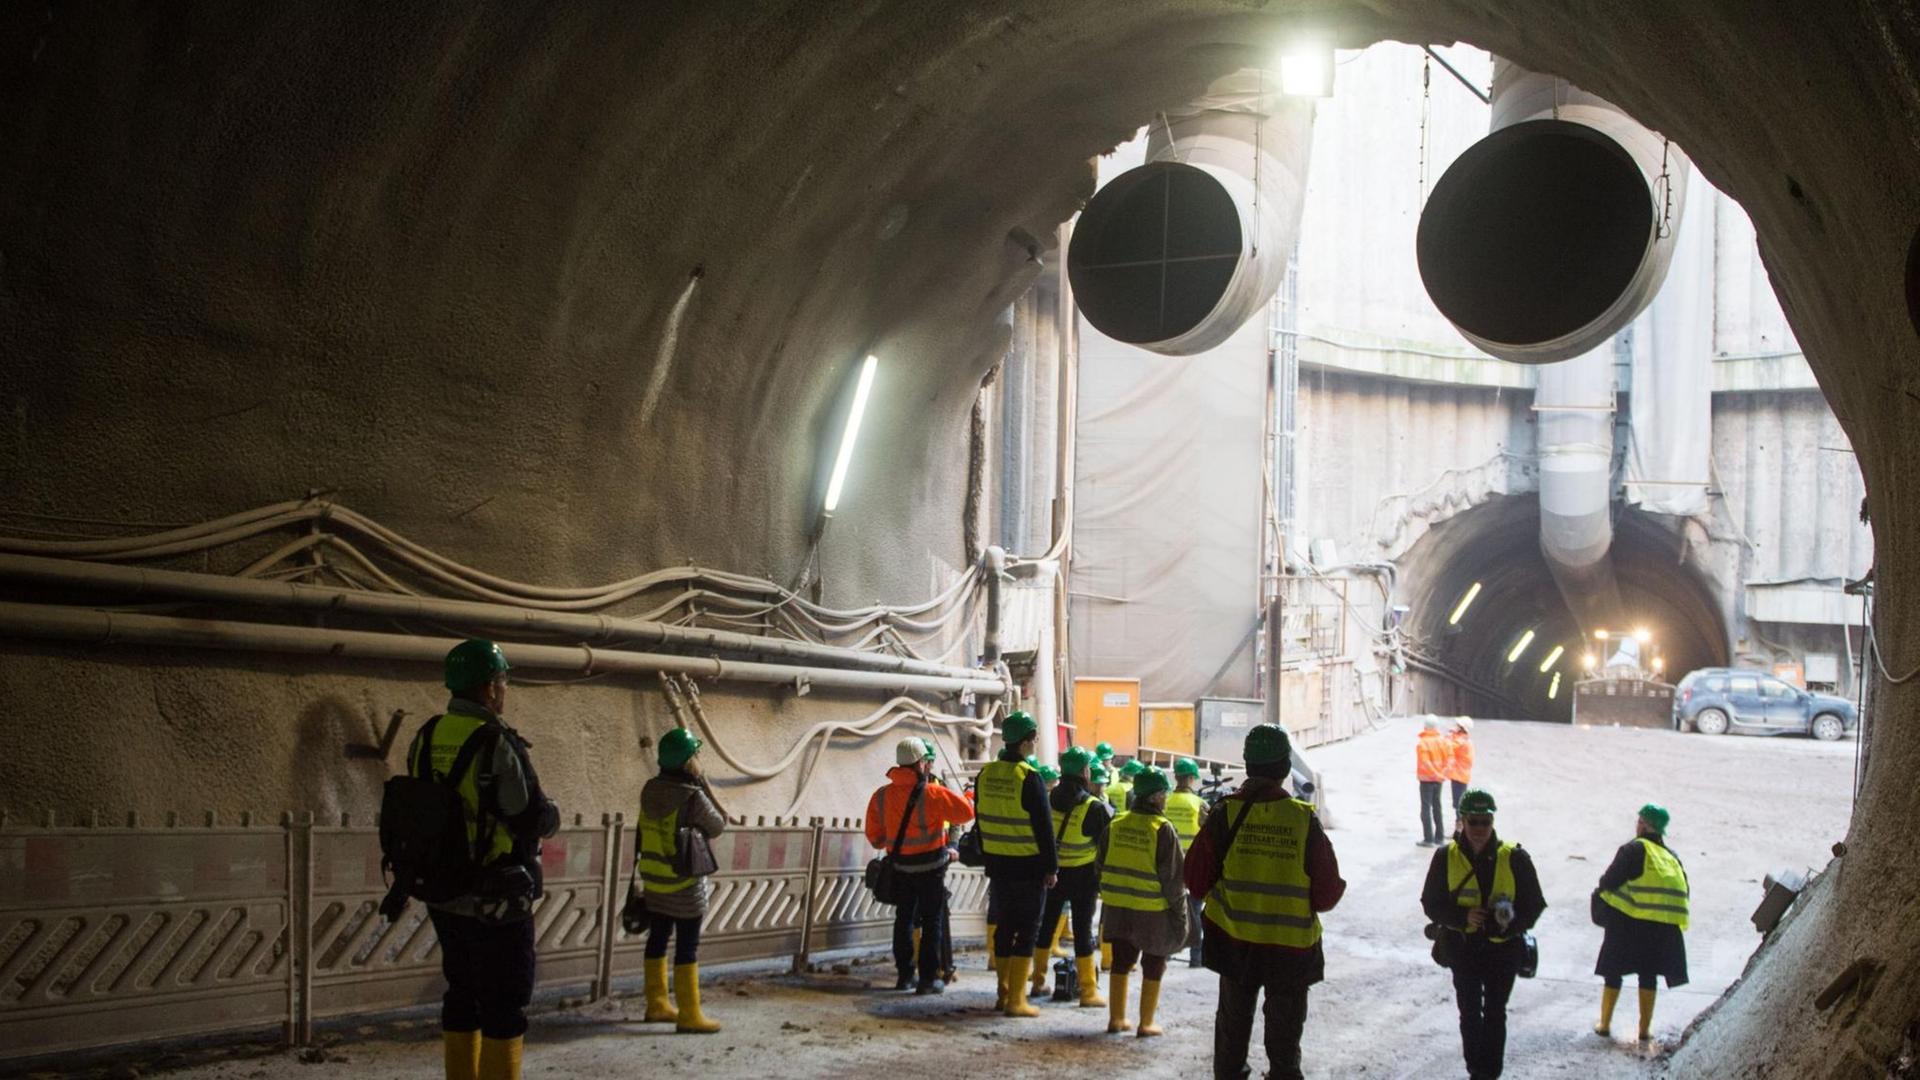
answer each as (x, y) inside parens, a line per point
(428, 255)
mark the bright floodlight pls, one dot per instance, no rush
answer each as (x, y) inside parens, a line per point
(1590, 661)
(1659, 663)
(1520, 647)
(1306, 70)
(1600, 635)
(1552, 659)
(1553, 691)
(1642, 635)
(1461, 609)
(845, 456)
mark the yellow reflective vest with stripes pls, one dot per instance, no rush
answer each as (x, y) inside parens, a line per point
(659, 842)
(1467, 893)
(1005, 826)
(1130, 876)
(449, 735)
(1659, 894)
(1263, 892)
(1076, 848)
(1184, 810)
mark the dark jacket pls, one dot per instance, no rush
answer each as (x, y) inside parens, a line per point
(1222, 952)
(1436, 898)
(1033, 799)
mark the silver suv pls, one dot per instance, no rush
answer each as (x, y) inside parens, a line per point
(1713, 701)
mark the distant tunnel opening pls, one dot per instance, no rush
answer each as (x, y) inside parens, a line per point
(1488, 654)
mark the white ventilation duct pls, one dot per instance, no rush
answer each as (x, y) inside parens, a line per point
(1176, 255)
(1556, 229)
(1574, 400)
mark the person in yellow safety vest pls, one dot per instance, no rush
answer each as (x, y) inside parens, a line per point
(1103, 756)
(1016, 837)
(1643, 909)
(1266, 869)
(1485, 895)
(1143, 899)
(678, 797)
(1079, 821)
(1099, 776)
(1187, 810)
(1120, 791)
(486, 938)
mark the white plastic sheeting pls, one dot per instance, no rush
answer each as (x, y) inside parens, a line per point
(1166, 531)
(1670, 427)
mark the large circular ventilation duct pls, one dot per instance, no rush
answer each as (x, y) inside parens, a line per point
(1556, 229)
(1176, 255)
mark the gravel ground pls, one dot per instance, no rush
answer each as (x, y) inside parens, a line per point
(1741, 806)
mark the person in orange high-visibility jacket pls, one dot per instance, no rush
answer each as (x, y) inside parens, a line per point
(921, 860)
(1459, 762)
(1431, 757)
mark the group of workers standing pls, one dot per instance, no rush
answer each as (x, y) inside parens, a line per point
(1244, 883)
(1482, 897)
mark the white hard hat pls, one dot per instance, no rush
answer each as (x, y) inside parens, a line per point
(1431, 723)
(1464, 723)
(910, 751)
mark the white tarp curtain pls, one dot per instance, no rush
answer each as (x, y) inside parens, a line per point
(1671, 424)
(1166, 530)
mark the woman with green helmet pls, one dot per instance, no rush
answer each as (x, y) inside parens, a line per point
(679, 797)
(1143, 899)
(1079, 822)
(1641, 903)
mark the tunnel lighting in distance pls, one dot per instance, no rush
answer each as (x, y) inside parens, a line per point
(1460, 610)
(1552, 659)
(1306, 69)
(1599, 635)
(1642, 636)
(1659, 664)
(1590, 661)
(1520, 647)
(847, 437)
(1553, 689)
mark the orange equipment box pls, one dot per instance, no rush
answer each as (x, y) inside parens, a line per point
(1107, 710)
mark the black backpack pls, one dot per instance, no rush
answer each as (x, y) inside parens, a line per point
(423, 829)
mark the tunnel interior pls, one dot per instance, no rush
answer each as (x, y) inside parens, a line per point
(1496, 545)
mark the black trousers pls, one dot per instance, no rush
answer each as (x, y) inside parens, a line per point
(489, 970)
(684, 932)
(1081, 891)
(1014, 906)
(1432, 827)
(1285, 1012)
(1482, 982)
(1459, 788)
(923, 906)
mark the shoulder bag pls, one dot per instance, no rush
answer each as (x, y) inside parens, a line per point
(692, 851)
(882, 878)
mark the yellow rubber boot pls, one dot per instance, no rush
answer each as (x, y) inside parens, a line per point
(1017, 1005)
(1646, 1015)
(1089, 984)
(1060, 938)
(660, 1008)
(1106, 957)
(1149, 1004)
(462, 1053)
(992, 959)
(1609, 997)
(686, 991)
(1041, 958)
(500, 1059)
(1117, 1003)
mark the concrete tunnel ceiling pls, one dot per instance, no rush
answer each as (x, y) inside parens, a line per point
(1497, 545)
(439, 260)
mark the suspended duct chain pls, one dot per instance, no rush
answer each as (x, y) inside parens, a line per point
(1176, 255)
(1556, 229)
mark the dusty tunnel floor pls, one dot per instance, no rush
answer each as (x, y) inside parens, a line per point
(1741, 805)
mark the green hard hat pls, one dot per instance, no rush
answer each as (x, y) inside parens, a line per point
(1267, 744)
(1103, 751)
(1132, 769)
(1655, 815)
(1049, 773)
(677, 747)
(1098, 773)
(1186, 766)
(1477, 801)
(1032, 762)
(472, 664)
(1074, 760)
(1152, 781)
(1017, 728)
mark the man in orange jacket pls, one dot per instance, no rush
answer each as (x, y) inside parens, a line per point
(1431, 760)
(1459, 762)
(922, 858)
